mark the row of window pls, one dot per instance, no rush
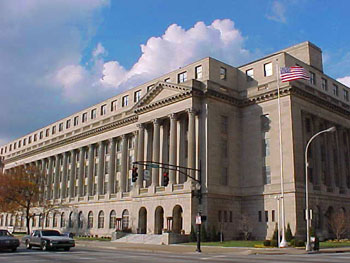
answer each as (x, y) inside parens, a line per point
(225, 216)
(324, 86)
(267, 71)
(266, 216)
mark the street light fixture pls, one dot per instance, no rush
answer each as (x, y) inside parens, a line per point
(307, 211)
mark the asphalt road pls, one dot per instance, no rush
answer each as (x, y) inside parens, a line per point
(103, 256)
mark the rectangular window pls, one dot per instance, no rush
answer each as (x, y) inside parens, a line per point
(250, 74)
(259, 216)
(60, 127)
(67, 124)
(167, 80)
(84, 117)
(224, 124)
(10, 147)
(125, 101)
(223, 73)
(267, 175)
(231, 216)
(182, 77)
(266, 147)
(93, 114)
(53, 130)
(308, 124)
(137, 95)
(219, 216)
(150, 87)
(114, 105)
(225, 216)
(224, 148)
(24, 142)
(312, 78)
(198, 71)
(29, 139)
(103, 109)
(35, 137)
(324, 84)
(268, 69)
(76, 120)
(266, 216)
(335, 90)
(19, 144)
(273, 216)
(41, 135)
(224, 176)
(346, 95)
(15, 145)
(47, 133)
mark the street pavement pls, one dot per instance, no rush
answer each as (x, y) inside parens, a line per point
(115, 253)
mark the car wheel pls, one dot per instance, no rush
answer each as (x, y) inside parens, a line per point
(44, 246)
(28, 245)
(66, 248)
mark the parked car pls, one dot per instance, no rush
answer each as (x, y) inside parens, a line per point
(48, 239)
(68, 234)
(7, 241)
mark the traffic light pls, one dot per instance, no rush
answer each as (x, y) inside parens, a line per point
(166, 178)
(134, 174)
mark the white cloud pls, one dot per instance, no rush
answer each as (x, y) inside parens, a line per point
(277, 12)
(345, 80)
(99, 51)
(176, 48)
(38, 39)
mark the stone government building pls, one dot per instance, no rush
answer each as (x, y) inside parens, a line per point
(208, 112)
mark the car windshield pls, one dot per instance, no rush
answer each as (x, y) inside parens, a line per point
(4, 233)
(50, 233)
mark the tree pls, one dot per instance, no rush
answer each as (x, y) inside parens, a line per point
(337, 223)
(245, 225)
(289, 235)
(22, 189)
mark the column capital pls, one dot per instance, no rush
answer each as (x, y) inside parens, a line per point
(111, 140)
(156, 121)
(72, 151)
(173, 116)
(91, 146)
(191, 111)
(124, 136)
(140, 126)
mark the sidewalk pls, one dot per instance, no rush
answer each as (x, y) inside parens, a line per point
(205, 249)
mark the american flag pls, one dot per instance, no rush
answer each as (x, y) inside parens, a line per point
(293, 73)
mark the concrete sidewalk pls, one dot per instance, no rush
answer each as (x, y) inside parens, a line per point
(205, 249)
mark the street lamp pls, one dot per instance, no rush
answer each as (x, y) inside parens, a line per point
(307, 211)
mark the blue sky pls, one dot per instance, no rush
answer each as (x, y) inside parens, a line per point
(60, 56)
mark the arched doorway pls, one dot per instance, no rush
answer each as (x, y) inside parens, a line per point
(177, 219)
(142, 228)
(159, 220)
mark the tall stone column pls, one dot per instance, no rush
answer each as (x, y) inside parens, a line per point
(49, 179)
(124, 164)
(64, 175)
(72, 174)
(191, 141)
(140, 153)
(100, 171)
(90, 170)
(341, 141)
(155, 155)
(172, 147)
(111, 168)
(81, 172)
(56, 179)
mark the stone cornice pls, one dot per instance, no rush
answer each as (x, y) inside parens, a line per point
(81, 136)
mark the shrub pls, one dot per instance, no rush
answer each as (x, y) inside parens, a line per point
(193, 237)
(204, 234)
(299, 243)
(292, 242)
(289, 235)
(274, 243)
(267, 243)
(275, 233)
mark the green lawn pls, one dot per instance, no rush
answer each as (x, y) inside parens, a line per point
(328, 244)
(231, 243)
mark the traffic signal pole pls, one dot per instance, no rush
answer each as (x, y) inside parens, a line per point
(198, 192)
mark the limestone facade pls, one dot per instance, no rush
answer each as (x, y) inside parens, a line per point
(219, 119)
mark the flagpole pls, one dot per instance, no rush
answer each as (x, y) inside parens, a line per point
(283, 242)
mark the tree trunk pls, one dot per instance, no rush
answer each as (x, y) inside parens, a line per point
(28, 220)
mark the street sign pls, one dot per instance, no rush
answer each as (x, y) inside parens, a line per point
(198, 220)
(146, 175)
(153, 165)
